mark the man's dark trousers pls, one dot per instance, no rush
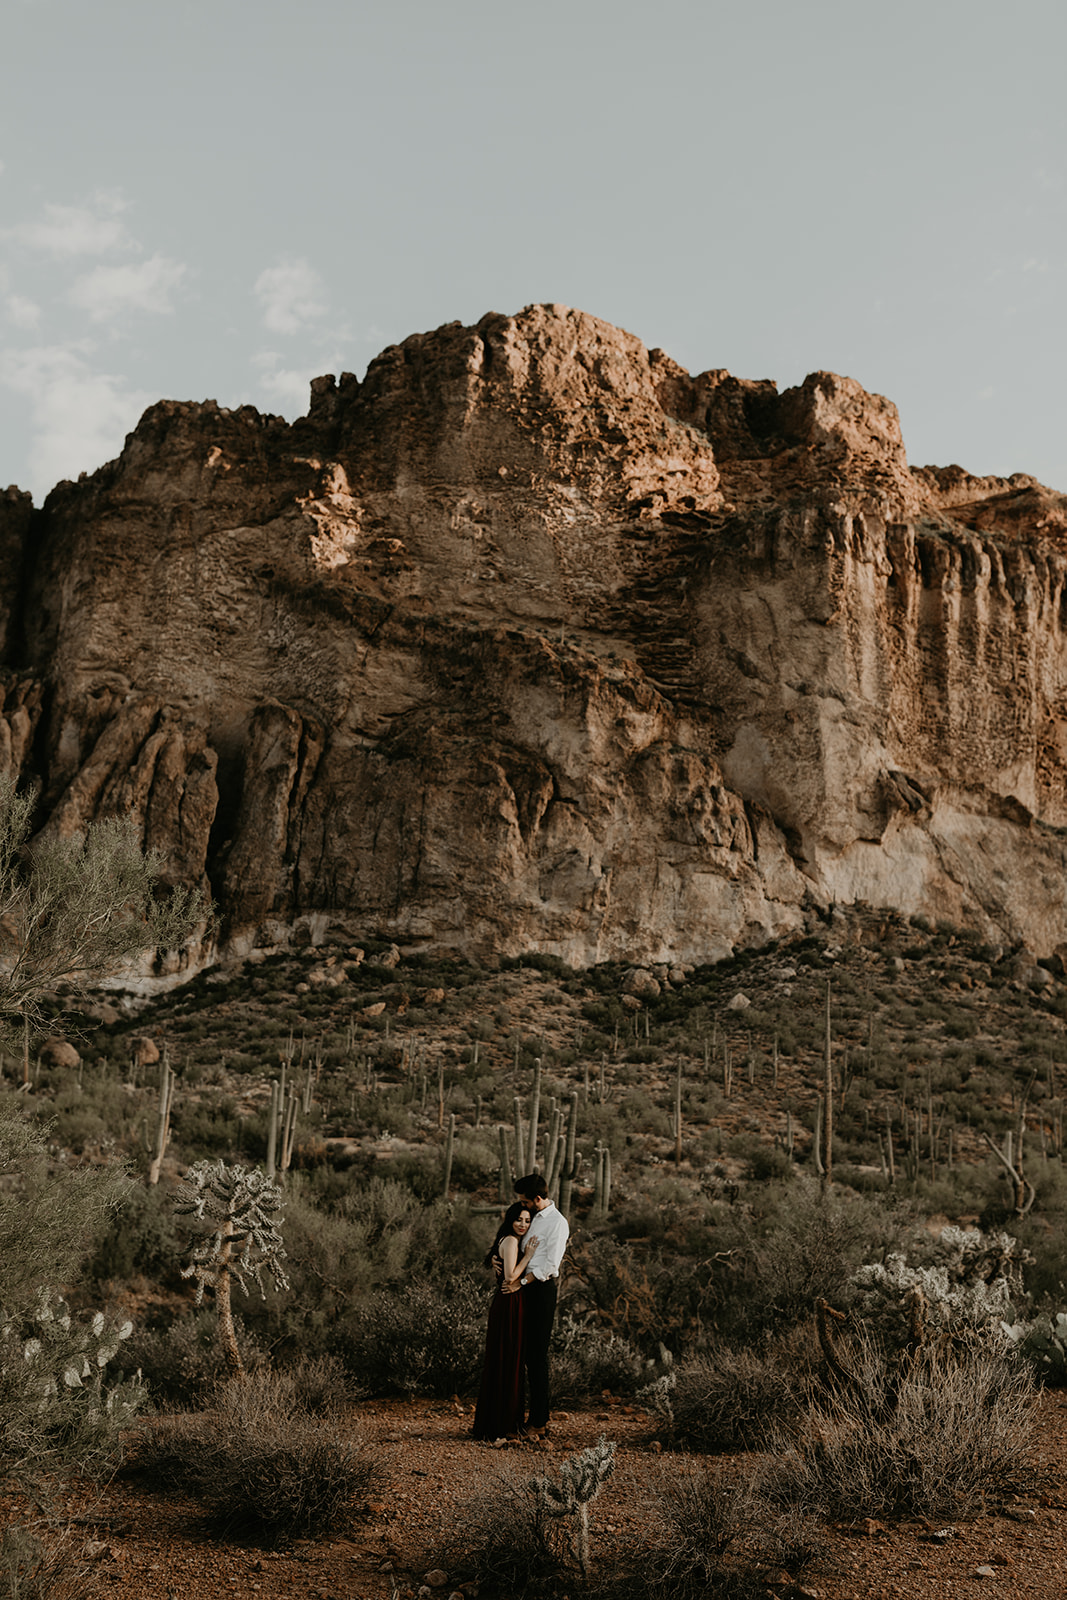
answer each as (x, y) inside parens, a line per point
(539, 1310)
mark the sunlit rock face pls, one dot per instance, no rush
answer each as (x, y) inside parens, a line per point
(534, 641)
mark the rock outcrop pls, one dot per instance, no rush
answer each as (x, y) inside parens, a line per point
(532, 640)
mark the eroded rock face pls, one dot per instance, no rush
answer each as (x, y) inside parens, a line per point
(532, 640)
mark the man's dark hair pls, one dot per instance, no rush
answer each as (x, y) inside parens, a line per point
(532, 1187)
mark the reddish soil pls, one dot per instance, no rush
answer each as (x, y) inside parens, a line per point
(144, 1546)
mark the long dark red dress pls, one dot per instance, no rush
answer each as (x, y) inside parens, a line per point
(500, 1407)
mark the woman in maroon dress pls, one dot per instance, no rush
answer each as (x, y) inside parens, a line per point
(500, 1409)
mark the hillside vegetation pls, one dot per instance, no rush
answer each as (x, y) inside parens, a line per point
(717, 1238)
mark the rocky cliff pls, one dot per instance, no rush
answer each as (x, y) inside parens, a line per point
(532, 640)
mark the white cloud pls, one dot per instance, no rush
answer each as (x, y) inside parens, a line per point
(93, 229)
(105, 292)
(290, 295)
(79, 417)
(22, 312)
(285, 388)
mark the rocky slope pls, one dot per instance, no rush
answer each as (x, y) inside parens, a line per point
(532, 640)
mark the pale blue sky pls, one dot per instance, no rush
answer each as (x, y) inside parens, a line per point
(223, 198)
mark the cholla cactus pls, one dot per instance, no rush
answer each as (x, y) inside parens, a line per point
(656, 1394)
(968, 1286)
(242, 1203)
(581, 1479)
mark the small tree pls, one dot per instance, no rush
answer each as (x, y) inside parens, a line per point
(240, 1203)
(78, 909)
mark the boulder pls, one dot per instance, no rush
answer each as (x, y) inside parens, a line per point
(58, 1053)
(642, 983)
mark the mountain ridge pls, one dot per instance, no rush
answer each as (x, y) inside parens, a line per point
(531, 640)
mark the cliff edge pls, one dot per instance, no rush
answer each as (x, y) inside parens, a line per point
(531, 640)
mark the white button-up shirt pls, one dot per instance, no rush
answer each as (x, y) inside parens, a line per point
(551, 1230)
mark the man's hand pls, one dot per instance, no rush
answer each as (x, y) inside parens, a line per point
(498, 1266)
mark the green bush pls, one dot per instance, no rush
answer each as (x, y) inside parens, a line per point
(807, 1246)
(426, 1338)
(141, 1239)
(181, 1364)
(55, 1412)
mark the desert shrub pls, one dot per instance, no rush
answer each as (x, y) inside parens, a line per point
(932, 1441)
(651, 1298)
(509, 1545)
(721, 1537)
(55, 1411)
(180, 1363)
(357, 1242)
(258, 1462)
(730, 1399)
(475, 1162)
(425, 1338)
(31, 1570)
(767, 1162)
(141, 1238)
(526, 1539)
(320, 1386)
(587, 1360)
(807, 1246)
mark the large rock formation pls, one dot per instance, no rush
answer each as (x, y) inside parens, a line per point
(531, 640)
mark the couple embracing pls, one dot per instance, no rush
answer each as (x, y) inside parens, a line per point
(526, 1256)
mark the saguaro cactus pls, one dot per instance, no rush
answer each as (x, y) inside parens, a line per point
(240, 1204)
(535, 1114)
(166, 1101)
(602, 1182)
(450, 1145)
(507, 1180)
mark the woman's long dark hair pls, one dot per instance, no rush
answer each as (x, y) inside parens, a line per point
(511, 1216)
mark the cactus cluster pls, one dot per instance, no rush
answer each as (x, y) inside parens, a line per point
(967, 1286)
(561, 1159)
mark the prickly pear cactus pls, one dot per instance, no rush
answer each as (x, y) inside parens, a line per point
(1044, 1343)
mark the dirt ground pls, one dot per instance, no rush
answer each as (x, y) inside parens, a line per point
(149, 1546)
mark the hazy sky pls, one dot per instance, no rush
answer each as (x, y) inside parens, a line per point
(223, 198)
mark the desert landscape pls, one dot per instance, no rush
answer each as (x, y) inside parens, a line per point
(534, 758)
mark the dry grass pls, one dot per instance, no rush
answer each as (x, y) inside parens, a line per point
(258, 1462)
(951, 1438)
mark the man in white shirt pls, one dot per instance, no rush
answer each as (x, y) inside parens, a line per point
(540, 1286)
